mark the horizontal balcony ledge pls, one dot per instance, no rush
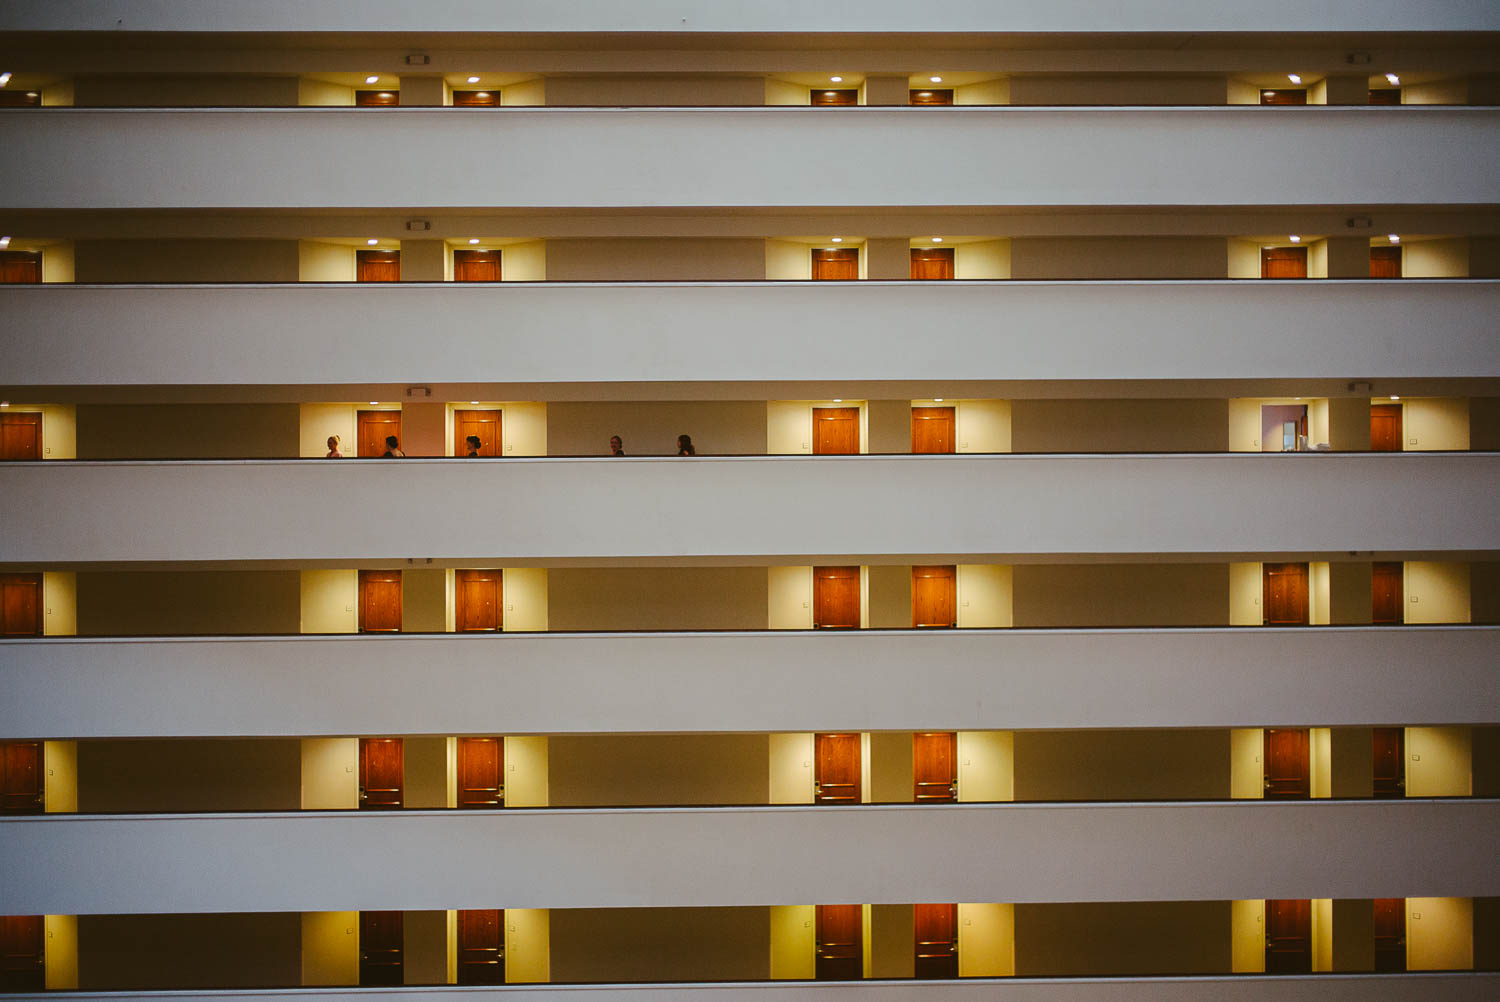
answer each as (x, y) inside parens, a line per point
(738, 682)
(755, 856)
(598, 509)
(771, 332)
(78, 158)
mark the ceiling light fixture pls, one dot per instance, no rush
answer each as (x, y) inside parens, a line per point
(473, 401)
(374, 403)
(4, 242)
(937, 400)
(473, 240)
(937, 240)
(1394, 238)
(935, 79)
(1294, 78)
(1394, 397)
(924, 93)
(4, 403)
(4, 78)
(1295, 239)
(372, 78)
(1393, 80)
(838, 240)
(836, 79)
(372, 241)
(473, 80)
(838, 400)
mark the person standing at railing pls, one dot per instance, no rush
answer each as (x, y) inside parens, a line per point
(333, 448)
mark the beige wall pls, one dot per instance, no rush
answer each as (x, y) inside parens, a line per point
(1158, 937)
(318, 421)
(985, 594)
(984, 92)
(1446, 258)
(986, 766)
(1122, 765)
(658, 769)
(1116, 89)
(425, 768)
(787, 261)
(717, 427)
(889, 422)
(1245, 422)
(185, 91)
(1247, 778)
(135, 603)
(322, 93)
(1439, 934)
(1034, 258)
(1320, 762)
(890, 768)
(189, 775)
(653, 91)
(524, 262)
(59, 603)
(60, 954)
(1318, 597)
(1352, 770)
(789, 592)
(1484, 423)
(330, 775)
(59, 431)
(892, 935)
(527, 771)
(1243, 258)
(322, 262)
(656, 598)
(1353, 932)
(784, 92)
(59, 263)
(1245, 592)
(330, 948)
(329, 601)
(982, 260)
(655, 259)
(1322, 934)
(1452, 91)
(425, 947)
(793, 945)
(185, 261)
(789, 425)
(1435, 424)
(1436, 592)
(1248, 936)
(188, 431)
(1087, 595)
(526, 599)
(138, 952)
(1439, 762)
(888, 598)
(791, 769)
(1119, 425)
(986, 940)
(424, 600)
(528, 945)
(982, 426)
(661, 944)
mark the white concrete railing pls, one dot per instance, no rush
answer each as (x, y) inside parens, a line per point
(520, 334)
(78, 158)
(82, 864)
(756, 682)
(764, 510)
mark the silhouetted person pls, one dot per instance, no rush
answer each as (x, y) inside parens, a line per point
(333, 448)
(616, 445)
(393, 448)
(685, 446)
(474, 444)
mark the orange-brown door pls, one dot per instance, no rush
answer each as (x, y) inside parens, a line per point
(382, 956)
(379, 601)
(377, 266)
(1390, 935)
(476, 266)
(476, 99)
(481, 946)
(835, 431)
(1283, 262)
(841, 943)
(477, 601)
(382, 773)
(932, 430)
(20, 436)
(20, 268)
(1284, 594)
(934, 760)
(22, 946)
(481, 773)
(20, 605)
(1386, 590)
(1389, 748)
(374, 428)
(836, 598)
(936, 929)
(1289, 937)
(930, 96)
(934, 597)
(1386, 427)
(837, 778)
(1284, 752)
(485, 425)
(1283, 97)
(828, 98)
(377, 98)
(22, 786)
(931, 263)
(1384, 95)
(1385, 262)
(835, 265)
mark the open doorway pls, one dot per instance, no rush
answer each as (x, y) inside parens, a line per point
(1283, 428)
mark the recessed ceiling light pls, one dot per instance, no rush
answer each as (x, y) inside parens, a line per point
(937, 240)
(473, 401)
(1294, 78)
(936, 79)
(1394, 397)
(4, 78)
(1295, 239)
(372, 78)
(838, 240)
(4, 242)
(1394, 238)
(838, 400)
(372, 241)
(836, 79)
(937, 400)
(924, 93)
(1392, 79)
(473, 240)
(374, 403)
(4, 403)
(473, 80)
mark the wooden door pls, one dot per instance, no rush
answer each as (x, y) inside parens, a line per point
(841, 943)
(382, 773)
(1385, 262)
(934, 768)
(1284, 594)
(481, 946)
(477, 601)
(1289, 937)
(936, 928)
(1284, 752)
(836, 598)
(1389, 747)
(1283, 262)
(1387, 427)
(835, 431)
(22, 782)
(476, 99)
(1390, 935)
(481, 773)
(20, 268)
(476, 266)
(835, 265)
(20, 436)
(934, 597)
(377, 98)
(379, 601)
(382, 959)
(1384, 95)
(931, 263)
(22, 946)
(374, 428)
(20, 605)
(930, 95)
(1387, 589)
(932, 430)
(837, 777)
(828, 98)
(485, 424)
(20, 99)
(377, 266)
(1292, 96)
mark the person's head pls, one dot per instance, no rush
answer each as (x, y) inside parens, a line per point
(616, 444)
(392, 442)
(474, 443)
(685, 444)
(333, 443)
